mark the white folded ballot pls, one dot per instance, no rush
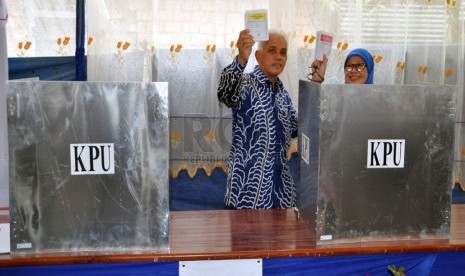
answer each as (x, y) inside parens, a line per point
(324, 43)
(257, 22)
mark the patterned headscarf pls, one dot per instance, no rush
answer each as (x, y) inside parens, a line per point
(366, 56)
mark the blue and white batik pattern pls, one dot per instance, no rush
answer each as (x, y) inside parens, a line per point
(263, 123)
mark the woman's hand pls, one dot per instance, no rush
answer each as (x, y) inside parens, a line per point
(244, 43)
(319, 69)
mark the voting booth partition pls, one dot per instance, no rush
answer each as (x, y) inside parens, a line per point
(88, 167)
(376, 161)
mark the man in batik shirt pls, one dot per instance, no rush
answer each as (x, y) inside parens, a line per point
(263, 123)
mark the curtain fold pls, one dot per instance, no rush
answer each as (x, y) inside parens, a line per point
(39, 28)
(459, 146)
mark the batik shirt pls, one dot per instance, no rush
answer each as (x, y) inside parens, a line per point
(263, 123)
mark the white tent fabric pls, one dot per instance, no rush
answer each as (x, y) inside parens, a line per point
(187, 44)
(41, 28)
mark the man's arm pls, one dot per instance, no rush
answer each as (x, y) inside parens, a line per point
(230, 83)
(231, 76)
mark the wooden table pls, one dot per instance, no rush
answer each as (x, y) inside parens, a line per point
(239, 234)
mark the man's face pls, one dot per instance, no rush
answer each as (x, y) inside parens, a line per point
(272, 58)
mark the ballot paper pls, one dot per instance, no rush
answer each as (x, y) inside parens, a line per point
(257, 22)
(324, 43)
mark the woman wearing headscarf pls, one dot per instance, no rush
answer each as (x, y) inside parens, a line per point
(358, 68)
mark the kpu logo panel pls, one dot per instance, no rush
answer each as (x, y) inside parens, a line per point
(92, 158)
(386, 153)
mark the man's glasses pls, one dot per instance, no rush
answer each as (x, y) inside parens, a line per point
(358, 66)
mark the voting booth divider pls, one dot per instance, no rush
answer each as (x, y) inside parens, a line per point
(376, 161)
(88, 167)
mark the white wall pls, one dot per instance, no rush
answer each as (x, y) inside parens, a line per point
(3, 123)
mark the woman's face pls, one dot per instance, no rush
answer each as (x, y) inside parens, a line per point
(355, 77)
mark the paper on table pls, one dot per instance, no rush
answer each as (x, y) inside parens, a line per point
(257, 22)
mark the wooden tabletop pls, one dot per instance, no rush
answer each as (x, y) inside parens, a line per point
(234, 234)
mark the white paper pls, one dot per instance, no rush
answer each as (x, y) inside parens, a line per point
(305, 149)
(4, 238)
(245, 267)
(257, 22)
(324, 43)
